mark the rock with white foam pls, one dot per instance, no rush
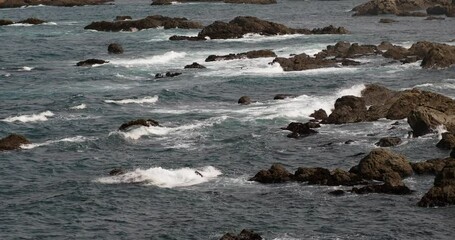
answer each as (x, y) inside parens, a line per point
(243, 235)
(91, 62)
(13, 142)
(138, 122)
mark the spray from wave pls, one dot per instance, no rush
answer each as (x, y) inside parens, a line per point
(143, 100)
(158, 59)
(40, 117)
(79, 107)
(165, 178)
(77, 139)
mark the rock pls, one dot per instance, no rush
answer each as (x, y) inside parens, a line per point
(139, 122)
(4, 22)
(244, 100)
(452, 154)
(195, 65)
(424, 120)
(303, 62)
(319, 114)
(162, 2)
(167, 74)
(374, 94)
(63, 3)
(276, 174)
(90, 62)
(12, 142)
(116, 172)
(242, 25)
(347, 50)
(169, 2)
(250, 54)
(349, 142)
(348, 109)
(397, 7)
(392, 185)
(301, 129)
(443, 191)
(251, 1)
(330, 30)
(322, 176)
(123, 18)
(244, 235)
(188, 38)
(33, 21)
(380, 161)
(283, 96)
(145, 23)
(432, 166)
(437, 10)
(441, 56)
(337, 193)
(115, 48)
(387, 20)
(389, 142)
(412, 14)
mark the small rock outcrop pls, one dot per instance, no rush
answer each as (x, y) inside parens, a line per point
(432, 166)
(90, 62)
(276, 174)
(304, 62)
(244, 235)
(12, 142)
(319, 114)
(322, 176)
(145, 23)
(380, 161)
(138, 122)
(32, 21)
(282, 96)
(250, 54)
(424, 120)
(167, 74)
(301, 129)
(348, 109)
(123, 18)
(244, 100)
(443, 191)
(195, 65)
(116, 172)
(115, 48)
(4, 22)
(397, 7)
(392, 185)
(388, 142)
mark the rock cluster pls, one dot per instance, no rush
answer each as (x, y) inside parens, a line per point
(145, 23)
(397, 7)
(63, 3)
(250, 54)
(443, 191)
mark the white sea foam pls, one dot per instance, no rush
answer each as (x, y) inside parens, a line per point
(20, 25)
(144, 100)
(165, 178)
(76, 139)
(157, 59)
(50, 23)
(254, 37)
(25, 68)
(40, 117)
(79, 107)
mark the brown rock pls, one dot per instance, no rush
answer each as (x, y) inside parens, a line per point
(244, 100)
(276, 174)
(63, 3)
(303, 62)
(12, 142)
(424, 120)
(90, 62)
(244, 235)
(443, 191)
(115, 48)
(348, 109)
(301, 129)
(4, 22)
(374, 94)
(195, 65)
(388, 142)
(283, 96)
(432, 166)
(250, 54)
(33, 21)
(319, 114)
(138, 122)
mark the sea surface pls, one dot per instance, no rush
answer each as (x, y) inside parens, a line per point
(58, 187)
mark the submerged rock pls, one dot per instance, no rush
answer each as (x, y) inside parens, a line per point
(388, 142)
(145, 23)
(301, 129)
(33, 21)
(244, 235)
(283, 96)
(4, 22)
(115, 48)
(116, 172)
(392, 185)
(138, 122)
(432, 166)
(319, 114)
(91, 62)
(12, 142)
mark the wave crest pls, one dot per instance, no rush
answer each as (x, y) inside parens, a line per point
(40, 117)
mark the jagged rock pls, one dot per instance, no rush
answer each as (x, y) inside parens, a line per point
(303, 62)
(330, 30)
(319, 114)
(443, 191)
(374, 94)
(123, 18)
(116, 172)
(388, 142)
(244, 100)
(380, 161)
(282, 96)
(63, 3)
(139, 122)
(115, 48)
(397, 7)
(301, 129)
(12, 142)
(244, 235)
(4, 22)
(33, 21)
(276, 174)
(91, 62)
(424, 120)
(167, 74)
(145, 23)
(432, 166)
(392, 185)
(250, 54)
(348, 109)
(195, 65)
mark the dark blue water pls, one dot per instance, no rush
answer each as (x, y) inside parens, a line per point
(59, 188)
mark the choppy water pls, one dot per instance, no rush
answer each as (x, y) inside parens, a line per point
(58, 187)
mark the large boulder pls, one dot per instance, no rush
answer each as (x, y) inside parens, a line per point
(397, 7)
(320, 114)
(244, 235)
(447, 142)
(250, 54)
(138, 122)
(348, 109)
(145, 23)
(347, 50)
(443, 191)
(380, 161)
(276, 174)
(63, 3)
(12, 142)
(424, 120)
(432, 166)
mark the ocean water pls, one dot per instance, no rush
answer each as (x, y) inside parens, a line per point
(58, 187)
